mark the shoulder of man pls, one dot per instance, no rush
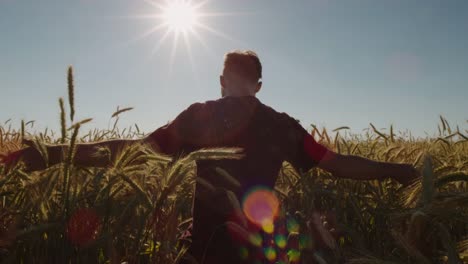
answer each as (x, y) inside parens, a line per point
(201, 109)
(201, 106)
(281, 118)
(196, 111)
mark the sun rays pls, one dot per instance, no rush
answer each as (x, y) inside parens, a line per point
(181, 21)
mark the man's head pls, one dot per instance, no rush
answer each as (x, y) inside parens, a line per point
(242, 74)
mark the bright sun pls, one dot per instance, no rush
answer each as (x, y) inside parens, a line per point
(182, 19)
(180, 16)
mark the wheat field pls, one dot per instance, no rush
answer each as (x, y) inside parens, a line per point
(138, 209)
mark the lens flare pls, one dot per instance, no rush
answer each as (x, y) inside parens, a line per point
(292, 225)
(244, 253)
(270, 253)
(261, 207)
(305, 241)
(280, 241)
(256, 239)
(294, 256)
(268, 227)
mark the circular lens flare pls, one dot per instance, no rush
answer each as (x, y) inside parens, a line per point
(281, 241)
(268, 227)
(244, 253)
(261, 207)
(270, 253)
(292, 225)
(294, 256)
(256, 239)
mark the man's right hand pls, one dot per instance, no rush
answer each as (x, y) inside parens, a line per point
(30, 156)
(11, 159)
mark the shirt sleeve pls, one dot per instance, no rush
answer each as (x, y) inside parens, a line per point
(184, 132)
(302, 151)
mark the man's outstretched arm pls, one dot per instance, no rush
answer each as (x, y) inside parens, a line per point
(166, 139)
(86, 154)
(358, 168)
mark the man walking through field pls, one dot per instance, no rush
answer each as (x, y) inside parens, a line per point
(267, 138)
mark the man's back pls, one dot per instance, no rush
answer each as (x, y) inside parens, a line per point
(267, 137)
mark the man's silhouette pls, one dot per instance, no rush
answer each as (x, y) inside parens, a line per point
(238, 119)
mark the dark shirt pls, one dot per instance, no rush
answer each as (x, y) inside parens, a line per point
(267, 137)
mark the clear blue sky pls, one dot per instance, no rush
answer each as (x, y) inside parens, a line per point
(327, 62)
